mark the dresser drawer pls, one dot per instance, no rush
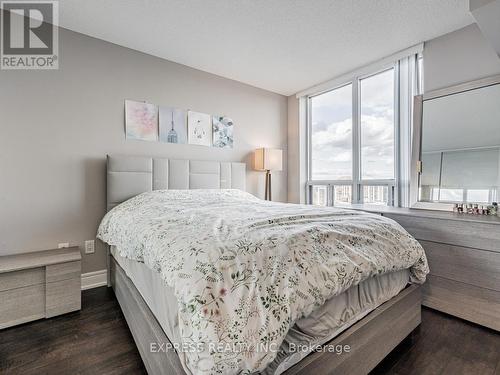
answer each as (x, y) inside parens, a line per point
(453, 232)
(63, 296)
(22, 278)
(22, 305)
(63, 271)
(478, 305)
(472, 266)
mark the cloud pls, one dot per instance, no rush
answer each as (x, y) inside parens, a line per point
(377, 146)
(338, 134)
(377, 131)
(332, 130)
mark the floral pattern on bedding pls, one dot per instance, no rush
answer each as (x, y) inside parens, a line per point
(244, 270)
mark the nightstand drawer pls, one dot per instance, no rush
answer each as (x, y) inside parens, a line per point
(63, 296)
(22, 305)
(22, 278)
(63, 271)
(40, 284)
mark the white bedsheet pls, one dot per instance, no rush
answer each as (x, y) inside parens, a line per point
(338, 314)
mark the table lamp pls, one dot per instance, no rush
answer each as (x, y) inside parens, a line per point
(268, 159)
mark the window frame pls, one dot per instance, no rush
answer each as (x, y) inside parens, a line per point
(357, 183)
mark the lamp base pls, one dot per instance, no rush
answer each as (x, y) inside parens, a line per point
(268, 185)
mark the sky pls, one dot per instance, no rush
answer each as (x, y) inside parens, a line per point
(332, 130)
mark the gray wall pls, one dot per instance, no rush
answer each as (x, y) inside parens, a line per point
(461, 56)
(57, 127)
(297, 149)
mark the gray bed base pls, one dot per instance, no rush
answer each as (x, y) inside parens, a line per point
(369, 340)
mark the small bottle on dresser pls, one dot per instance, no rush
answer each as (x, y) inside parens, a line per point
(489, 209)
(493, 209)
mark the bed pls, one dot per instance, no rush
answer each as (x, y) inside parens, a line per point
(187, 276)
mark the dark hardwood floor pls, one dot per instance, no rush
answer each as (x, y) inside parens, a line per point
(96, 341)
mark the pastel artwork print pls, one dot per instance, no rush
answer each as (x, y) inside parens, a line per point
(141, 121)
(173, 127)
(222, 132)
(199, 129)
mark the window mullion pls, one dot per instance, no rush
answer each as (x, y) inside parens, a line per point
(395, 200)
(356, 157)
(309, 139)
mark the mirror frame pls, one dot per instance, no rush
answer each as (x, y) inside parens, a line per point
(416, 150)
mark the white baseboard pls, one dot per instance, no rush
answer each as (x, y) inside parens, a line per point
(94, 279)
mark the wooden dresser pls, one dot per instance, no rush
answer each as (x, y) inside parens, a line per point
(464, 260)
(39, 285)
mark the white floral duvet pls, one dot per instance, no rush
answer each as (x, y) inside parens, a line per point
(244, 270)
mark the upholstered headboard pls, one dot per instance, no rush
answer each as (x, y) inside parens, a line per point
(128, 176)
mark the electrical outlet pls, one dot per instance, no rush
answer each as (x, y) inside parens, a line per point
(63, 245)
(89, 247)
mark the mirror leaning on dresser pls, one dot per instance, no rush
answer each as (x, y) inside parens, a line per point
(456, 147)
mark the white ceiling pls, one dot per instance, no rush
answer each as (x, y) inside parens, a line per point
(280, 45)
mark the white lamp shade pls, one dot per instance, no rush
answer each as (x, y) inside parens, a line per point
(268, 159)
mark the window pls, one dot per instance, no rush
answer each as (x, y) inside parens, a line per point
(342, 194)
(320, 195)
(359, 135)
(327, 195)
(377, 126)
(352, 141)
(375, 194)
(331, 135)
